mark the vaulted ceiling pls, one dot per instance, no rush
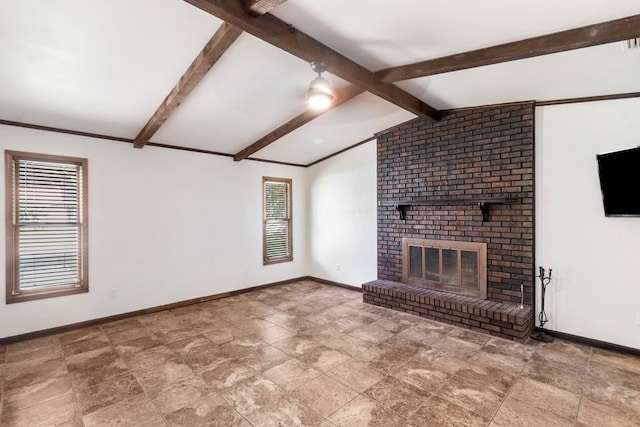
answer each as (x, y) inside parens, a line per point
(230, 76)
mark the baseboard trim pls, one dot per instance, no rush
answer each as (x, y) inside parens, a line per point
(332, 283)
(591, 342)
(102, 320)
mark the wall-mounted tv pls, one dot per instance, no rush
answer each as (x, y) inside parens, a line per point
(620, 182)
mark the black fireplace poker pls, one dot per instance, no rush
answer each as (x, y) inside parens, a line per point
(540, 335)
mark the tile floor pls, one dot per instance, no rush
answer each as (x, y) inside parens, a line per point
(308, 354)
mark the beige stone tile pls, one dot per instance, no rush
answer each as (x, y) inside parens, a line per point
(131, 334)
(228, 375)
(291, 374)
(404, 346)
(471, 395)
(508, 348)
(392, 324)
(126, 350)
(437, 412)
(97, 375)
(186, 310)
(241, 347)
(607, 392)
(37, 393)
(159, 321)
(121, 325)
(517, 413)
(82, 334)
(567, 347)
(348, 345)
(422, 335)
(202, 319)
(296, 345)
(85, 345)
(111, 390)
(439, 360)
(179, 395)
(283, 319)
(210, 411)
(456, 347)
(323, 358)
(345, 325)
(625, 362)
(363, 411)
(60, 411)
(358, 376)
(20, 348)
(152, 358)
(423, 373)
(558, 358)
(176, 334)
(494, 378)
(596, 414)
(264, 358)
(614, 376)
(470, 336)
(510, 364)
(24, 374)
(397, 395)
(224, 335)
(325, 395)
(273, 334)
(37, 353)
(324, 317)
(562, 375)
(546, 397)
(167, 375)
(91, 359)
(199, 352)
(384, 359)
(137, 411)
(252, 395)
(286, 411)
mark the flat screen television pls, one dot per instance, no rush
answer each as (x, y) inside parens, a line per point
(620, 182)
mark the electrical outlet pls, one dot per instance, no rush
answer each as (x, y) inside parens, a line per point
(114, 293)
(337, 267)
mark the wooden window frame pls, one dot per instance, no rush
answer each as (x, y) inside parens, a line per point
(289, 257)
(13, 292)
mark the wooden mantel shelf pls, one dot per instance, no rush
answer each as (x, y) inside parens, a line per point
(482, 203)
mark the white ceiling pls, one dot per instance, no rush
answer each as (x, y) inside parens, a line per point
(104, 66)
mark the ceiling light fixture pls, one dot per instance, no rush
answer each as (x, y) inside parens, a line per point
(319, 95)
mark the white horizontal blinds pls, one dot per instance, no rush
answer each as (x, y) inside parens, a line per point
(48, 213)
(277, 209)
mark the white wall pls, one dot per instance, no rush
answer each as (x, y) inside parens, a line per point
(342, 217)
(595, 290)
(164, 226)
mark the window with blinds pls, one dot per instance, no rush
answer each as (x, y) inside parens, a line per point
(277, 220)
(46, 225)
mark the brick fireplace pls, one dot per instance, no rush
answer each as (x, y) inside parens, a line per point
(467, 178)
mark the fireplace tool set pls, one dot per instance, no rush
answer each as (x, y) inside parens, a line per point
(542, 316)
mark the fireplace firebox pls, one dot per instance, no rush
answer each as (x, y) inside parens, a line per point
(446, 265)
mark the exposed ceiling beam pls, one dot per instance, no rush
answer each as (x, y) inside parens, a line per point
(293, 124)
(260, 7)
(280, 34)
(213, 50)
(577, 38)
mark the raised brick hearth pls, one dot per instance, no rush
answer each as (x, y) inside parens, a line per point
(473, 154)
(503, 319)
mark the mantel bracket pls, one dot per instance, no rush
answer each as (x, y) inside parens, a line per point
(402, 209)
(484, 207)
